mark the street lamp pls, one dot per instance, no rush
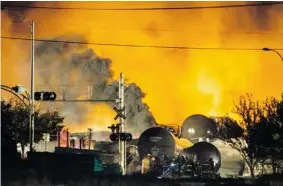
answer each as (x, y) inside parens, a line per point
(19, 89)
(32, 24)
(269, 49)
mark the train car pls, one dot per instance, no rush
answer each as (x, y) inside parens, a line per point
(159, 142)
(197, 128)
(204, 153)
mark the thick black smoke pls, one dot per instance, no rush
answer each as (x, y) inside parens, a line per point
(250, 19)
(72, 64)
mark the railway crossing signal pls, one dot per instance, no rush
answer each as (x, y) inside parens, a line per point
(119, 113)
(126, 137)
(114, 128)
(114, 137)
(45, 96)
(123, 136)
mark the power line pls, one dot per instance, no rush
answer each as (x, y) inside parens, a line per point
(147, 8)
(151, 29)
(138, 46)
(99, 27)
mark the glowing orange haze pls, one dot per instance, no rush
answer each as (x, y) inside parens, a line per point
(178, 83)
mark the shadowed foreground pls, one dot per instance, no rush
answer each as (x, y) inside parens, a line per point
(30, 178)
(16, 171)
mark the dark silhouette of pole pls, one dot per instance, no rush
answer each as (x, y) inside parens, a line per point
(269, 49)
(68, 138)
(59, 129)
(89, 137)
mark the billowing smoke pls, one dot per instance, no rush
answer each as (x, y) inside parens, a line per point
(61, 63)
(182, 82)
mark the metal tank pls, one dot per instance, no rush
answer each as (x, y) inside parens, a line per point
(232, 163)
(156, 141)
(202, 152)
(198, 128)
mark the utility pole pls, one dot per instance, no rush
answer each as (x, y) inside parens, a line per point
(89, 137)
(32, 87)
(122, 122)
(119, 129)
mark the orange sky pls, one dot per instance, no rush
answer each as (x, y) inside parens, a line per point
(178, 83)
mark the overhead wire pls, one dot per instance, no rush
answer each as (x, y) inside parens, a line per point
(152, 29)
(92, 26)
(162, 8)
(138, 46)
(146, 8)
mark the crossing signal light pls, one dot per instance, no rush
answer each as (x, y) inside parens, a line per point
(45, 96)
(123, 137)
(114, 137)
(126, 137)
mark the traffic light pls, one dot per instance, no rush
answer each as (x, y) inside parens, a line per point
(123, 137)
(37, 96)
(45, 96)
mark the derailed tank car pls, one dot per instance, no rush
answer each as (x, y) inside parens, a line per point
(204, 154)
(158, 147)
(198, 128)
(156, 142)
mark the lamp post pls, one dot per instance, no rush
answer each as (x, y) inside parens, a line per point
(269, 49)
(31, 95)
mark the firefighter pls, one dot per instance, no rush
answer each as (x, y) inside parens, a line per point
(211, 163)
(192, 167)
(146, 164)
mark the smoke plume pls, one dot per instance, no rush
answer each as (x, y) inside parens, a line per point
(178, 83)
(69, 64)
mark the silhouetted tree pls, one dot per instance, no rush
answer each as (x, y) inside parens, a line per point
(16, 122)
(258, 135)
(271, 142)
(243, 136)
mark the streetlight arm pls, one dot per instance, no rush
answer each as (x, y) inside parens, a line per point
(28, 95)
(270, 49)
(278, 54)
(12, 92)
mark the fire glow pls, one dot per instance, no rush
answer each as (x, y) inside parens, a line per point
(178, 83)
